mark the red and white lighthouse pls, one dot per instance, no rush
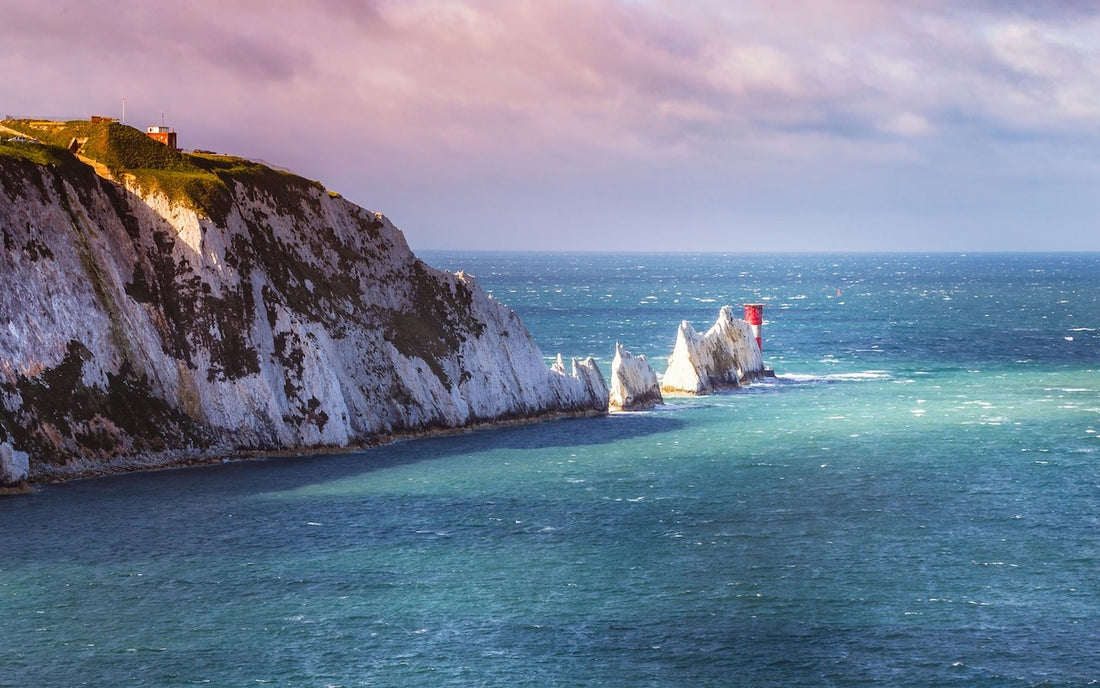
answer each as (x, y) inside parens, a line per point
(754, 316)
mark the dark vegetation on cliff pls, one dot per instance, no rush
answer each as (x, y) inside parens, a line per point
(62, 416)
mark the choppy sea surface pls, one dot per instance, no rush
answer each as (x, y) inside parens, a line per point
(914, 501)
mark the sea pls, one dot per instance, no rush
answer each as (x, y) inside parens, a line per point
(913, 500)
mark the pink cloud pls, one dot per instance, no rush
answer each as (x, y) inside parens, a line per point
(404, 94)
(485, 75)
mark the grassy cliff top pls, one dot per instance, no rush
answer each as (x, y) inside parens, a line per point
(33, 152)
(202, 182)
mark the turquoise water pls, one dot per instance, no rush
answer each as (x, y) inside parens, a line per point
(915, 501)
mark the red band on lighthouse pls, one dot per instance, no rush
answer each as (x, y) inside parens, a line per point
(754, 316)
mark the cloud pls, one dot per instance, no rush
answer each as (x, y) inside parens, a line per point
(477, 74)
(155, 37)
(908, 124)
(398, 97)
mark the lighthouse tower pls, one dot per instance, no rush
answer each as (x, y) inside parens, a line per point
(754, 316)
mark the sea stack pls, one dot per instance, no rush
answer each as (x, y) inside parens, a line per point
(587, 374)
(724, 357)
(634, 385)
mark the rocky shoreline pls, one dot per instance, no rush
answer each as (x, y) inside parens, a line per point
(178, 460)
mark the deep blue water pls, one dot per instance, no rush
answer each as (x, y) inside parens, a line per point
(915, 501)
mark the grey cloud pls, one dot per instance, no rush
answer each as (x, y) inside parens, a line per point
(1059, 10)
(365, 13)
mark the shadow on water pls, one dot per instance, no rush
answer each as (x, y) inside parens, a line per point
(193, 514)
(243, 478)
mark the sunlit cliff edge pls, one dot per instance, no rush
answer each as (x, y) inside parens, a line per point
(159, 307)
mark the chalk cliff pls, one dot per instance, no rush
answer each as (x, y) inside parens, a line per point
(153, 321)
(14, 465)
(634, 385)
(722, 358)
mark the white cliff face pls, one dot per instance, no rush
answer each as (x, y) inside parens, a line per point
(634, 385)
(594, 385)
(14, 465)
(133, 328)
(724, 357)
(506, 374)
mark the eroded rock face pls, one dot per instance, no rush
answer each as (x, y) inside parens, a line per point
(14, 465)
(724, 357)
(134, 330)
(592, 386)
(634, 384)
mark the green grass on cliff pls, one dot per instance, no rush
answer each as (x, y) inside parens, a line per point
(119, 147)
(17, 154)
(33, 152)
(200, 181)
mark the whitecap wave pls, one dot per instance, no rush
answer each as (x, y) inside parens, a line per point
(865, 375)
(859, 376)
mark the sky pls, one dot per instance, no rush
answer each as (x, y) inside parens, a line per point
(616, 125)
